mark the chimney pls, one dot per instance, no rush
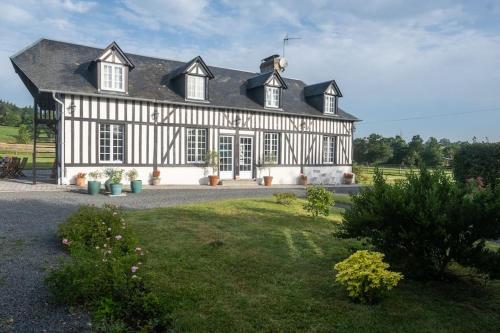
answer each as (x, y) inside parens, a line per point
(270, 63)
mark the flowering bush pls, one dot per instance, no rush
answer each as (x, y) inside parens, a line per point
(366, 276)
(105, 273)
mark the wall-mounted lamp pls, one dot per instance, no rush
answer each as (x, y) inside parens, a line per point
(155, 115)
(237, 120)
(71, 108)
(303, 125)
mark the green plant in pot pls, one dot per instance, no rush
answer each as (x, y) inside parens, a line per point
(135, 184)
(115, 181)
(212, 161)
(270, 160)
(108, 172)
(94, 184)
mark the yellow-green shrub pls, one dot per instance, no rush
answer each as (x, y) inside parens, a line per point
(365, 276)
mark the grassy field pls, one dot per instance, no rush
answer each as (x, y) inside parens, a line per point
(253, 265)
(8, 147)
(391, 173)
(8, 134)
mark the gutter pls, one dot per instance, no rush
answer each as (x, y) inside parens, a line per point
(61, 136)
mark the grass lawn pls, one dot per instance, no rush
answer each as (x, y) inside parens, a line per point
(253, 265)
(391, 174)
(8, 134)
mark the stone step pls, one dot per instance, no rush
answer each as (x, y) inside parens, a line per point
(240, 183)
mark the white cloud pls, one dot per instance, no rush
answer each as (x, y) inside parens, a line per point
(77, 6)
(14, 14)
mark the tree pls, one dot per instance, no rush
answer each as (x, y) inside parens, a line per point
(415, 149)
(432, 154)
(360, 147)
(399, 149)
(24, 135)
(378, 149)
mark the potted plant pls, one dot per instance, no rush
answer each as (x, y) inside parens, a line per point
(80, 179)
(212, 161)
(302, 179)
(94, 185)
(156, 177)
(116, 181)
(348, 176)
(270, 160)
(108, 172)
(135, 184)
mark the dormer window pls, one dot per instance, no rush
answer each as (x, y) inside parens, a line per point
(195, 87)
(272, 97)
(111, 69)
(112, 77)
(330, 104)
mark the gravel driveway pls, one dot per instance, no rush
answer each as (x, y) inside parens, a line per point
(28, 248)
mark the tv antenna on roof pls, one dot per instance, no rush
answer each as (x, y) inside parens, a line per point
(286, 39)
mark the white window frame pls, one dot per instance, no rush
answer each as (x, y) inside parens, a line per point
(112, 143)
(272, 97)
(195, 87)
(272, 145)
(330, 101)
(117, 71)
(329, 149)
(197, 153)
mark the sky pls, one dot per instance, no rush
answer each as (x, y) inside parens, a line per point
(404, 67)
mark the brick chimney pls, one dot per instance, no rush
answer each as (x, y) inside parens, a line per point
(270, 63)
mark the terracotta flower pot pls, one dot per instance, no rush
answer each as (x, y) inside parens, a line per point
(80, 182)
(348, 180)
(156, 181)
(303, 180)
(213, 180)
(268, 180)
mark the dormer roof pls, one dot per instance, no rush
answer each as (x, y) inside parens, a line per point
(272, 78)
(113, 53)
(327, 87)
(188, 66)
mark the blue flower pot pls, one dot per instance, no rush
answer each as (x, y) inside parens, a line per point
(93, 187)
(136, 186)
(116, 189)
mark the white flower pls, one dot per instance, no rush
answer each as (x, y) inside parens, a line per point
(134, 269)
(118, 237)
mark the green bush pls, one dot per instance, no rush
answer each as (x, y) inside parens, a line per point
(478, 160)
(285, 198)
(366, 276)
(319, 201)
(23, 134)
(105, 273)
(425, 222)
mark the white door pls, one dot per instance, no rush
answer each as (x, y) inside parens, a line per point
(226, 162)
(246, 157)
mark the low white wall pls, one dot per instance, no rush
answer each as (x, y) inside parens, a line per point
(172, 175)
(199, 175)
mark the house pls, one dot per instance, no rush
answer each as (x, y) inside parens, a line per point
(114, 109)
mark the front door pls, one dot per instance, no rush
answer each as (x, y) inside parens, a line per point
(226, 152)
(246, 157)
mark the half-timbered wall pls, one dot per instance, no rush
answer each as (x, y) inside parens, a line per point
(297, 146)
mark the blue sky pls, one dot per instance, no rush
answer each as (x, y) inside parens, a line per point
(404, 66)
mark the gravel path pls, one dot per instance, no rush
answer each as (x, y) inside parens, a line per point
(28, 248)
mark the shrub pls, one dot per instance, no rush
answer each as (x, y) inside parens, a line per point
(425, 222)
(285, 198)
(81, 175)
(366, 276)
(105, 273)
(95, 175)
(319, 201)
(478, 160)
(23, 134)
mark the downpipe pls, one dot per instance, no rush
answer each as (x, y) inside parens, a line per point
(61, 137)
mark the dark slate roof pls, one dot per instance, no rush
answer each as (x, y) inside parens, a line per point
(63, 67)
(320, 88)
(260, 79)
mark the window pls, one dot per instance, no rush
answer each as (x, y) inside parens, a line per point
(330, 104)
(271, 147)
(196, 145)
(328, 149)
(272, 97)
(112, 77)
(111, 143)
(195, 87)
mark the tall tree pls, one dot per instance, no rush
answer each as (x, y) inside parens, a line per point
(378, 149)
(432, 154)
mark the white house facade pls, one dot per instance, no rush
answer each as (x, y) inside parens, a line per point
(112, 109)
